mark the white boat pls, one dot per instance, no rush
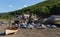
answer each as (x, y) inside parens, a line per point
(41, 27)
(30, 26)
(11, 30)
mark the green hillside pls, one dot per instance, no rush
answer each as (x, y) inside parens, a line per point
(45, 8)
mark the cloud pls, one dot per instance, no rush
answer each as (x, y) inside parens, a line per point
(10, 5)
(25, 5)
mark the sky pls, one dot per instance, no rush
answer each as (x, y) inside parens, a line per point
(12, 5)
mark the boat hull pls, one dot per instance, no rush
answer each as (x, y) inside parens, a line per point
(10, 31)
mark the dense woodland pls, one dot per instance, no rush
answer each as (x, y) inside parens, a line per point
(45, 9)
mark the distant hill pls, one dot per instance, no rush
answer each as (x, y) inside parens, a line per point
(45, 8)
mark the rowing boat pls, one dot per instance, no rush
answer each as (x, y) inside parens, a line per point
(11, 30)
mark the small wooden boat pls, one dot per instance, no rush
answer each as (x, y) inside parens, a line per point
(11, 30)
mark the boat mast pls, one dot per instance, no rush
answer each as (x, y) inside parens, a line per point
(9, 20)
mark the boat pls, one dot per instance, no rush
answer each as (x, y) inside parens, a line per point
(11, 30)
(14, 27)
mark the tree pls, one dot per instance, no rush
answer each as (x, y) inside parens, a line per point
(55, 10)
